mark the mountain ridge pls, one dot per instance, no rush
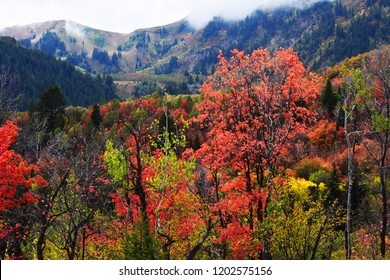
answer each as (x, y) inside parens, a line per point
(151, 48)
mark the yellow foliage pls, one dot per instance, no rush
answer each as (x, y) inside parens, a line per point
(300, 186)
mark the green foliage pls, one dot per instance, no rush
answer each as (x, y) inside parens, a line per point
(99, 41)
(32, 72)
(169, 67)
(101, 56)
(116, 162)
(96, 117)
(51, 44)
(140, 243)
(307, 167)
(379, 122)
(301, 226)
(145, 88)
(51, 108)
(329, 98)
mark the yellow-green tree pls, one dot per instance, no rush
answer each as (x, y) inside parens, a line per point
(300, 226)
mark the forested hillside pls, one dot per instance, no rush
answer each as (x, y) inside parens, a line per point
(26, 74)
(323, 34)
(269, 161)
(264, 138)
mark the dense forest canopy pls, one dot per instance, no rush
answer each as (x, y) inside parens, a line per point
(269, 161)
(30, 72)
(239, 150)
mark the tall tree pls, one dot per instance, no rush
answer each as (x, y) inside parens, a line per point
(52, 108)
(253, 108)
(352, 86)
(126, 165)
(96, 117)
(376, 102)
(329, 98)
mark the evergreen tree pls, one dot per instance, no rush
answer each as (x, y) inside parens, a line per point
(96, 117)
(52, 108)
(329, 98)
(140, 243)
(114, 59)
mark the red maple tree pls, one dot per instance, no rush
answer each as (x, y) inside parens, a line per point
(16, 179)
(253, 109)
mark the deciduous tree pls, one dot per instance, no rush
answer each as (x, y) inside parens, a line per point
(376, 102)
(253, 109)
(17, 179)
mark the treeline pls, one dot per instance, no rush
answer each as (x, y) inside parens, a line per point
(171, 84)
(30, 72)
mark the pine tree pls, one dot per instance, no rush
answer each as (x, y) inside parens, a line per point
(52, 108)
(329, 98)
(96, 117)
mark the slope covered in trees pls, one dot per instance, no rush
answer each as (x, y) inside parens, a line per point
(28, 73)
(269, 161)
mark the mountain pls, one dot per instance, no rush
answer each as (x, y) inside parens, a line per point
(99, 51)
(28, 73)
(67, 40)
(322, 34)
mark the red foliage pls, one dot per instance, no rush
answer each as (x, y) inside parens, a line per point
(324, 135)
(252, 110)
(15, 174)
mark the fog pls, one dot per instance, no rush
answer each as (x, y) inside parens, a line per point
(201, 12)
(127, 15)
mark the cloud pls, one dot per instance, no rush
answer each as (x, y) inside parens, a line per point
(127, 15)
(201, 12)
(74, 29)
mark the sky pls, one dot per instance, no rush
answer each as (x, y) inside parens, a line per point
(125, 16)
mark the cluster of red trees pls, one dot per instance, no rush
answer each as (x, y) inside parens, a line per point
(267, 162)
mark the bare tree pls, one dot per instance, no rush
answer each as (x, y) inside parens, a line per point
(352, 85)
(376, 67)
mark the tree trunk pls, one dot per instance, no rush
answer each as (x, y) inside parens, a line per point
(41, 243)
(198, 246)
(350, 154)
(348, 247)
(384, 212)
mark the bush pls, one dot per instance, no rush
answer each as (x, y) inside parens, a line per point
(309, 166)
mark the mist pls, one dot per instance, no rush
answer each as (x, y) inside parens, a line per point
(74, 29)
(126, 16)
(202, 12)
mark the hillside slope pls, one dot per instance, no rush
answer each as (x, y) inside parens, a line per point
(30, 72)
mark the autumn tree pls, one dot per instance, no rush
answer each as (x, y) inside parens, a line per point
(64, 214)
(376, 103)
(253, 109)
(301, 225)
(126, 164)
(353, 84)
(17, 181)
(181, 216)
